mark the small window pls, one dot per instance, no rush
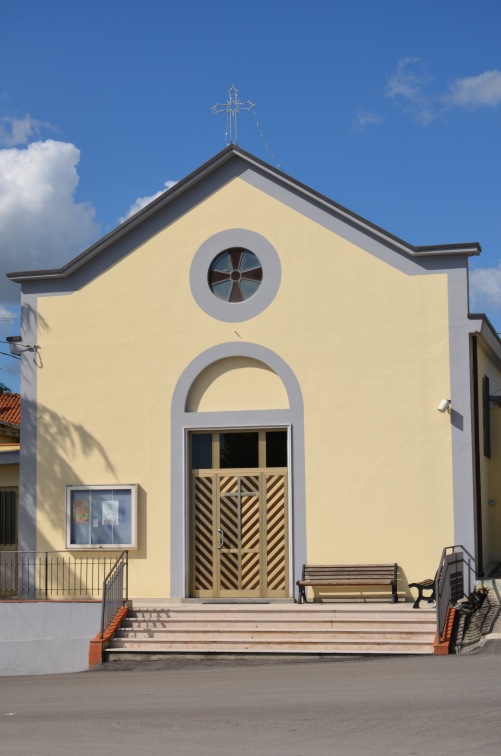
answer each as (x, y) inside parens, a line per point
(201, 451)
(101, 517)
(276, 448)
(8, 517)
(239, 449)
(235, 275)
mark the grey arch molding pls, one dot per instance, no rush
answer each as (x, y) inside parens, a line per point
(182, 422)
(235, 312)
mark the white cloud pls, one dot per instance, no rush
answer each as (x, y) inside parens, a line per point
(17, 131)
(6, 314)
(409, 79)
(41, 224)
(365, 118)
(475, 91)
(141, 202)
(407, 87)
(485, 289)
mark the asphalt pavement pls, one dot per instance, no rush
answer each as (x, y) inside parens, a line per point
(392, 706)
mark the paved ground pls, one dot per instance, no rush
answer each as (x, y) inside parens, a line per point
(346, 707)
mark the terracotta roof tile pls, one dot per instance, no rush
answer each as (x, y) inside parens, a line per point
(10, 409)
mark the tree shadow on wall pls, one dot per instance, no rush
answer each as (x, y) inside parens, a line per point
(32, 319)
(51, 447)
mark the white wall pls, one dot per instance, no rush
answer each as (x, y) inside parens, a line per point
(45, 637)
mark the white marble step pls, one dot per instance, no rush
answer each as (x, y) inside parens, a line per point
(309, 614)
(308, 625)
(284, 647)
(197, 634)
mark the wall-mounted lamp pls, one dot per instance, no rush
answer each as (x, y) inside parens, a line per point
(444, 405)
(17, 348)
(15, 345)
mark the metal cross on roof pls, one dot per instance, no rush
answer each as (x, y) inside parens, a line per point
(232, 108)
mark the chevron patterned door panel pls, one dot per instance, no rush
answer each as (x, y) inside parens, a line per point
(203, 533)
(276, 535)
(239, 534)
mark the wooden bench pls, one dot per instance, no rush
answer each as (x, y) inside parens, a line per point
(325, 576)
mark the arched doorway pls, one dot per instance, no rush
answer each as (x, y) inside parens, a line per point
(237, 507)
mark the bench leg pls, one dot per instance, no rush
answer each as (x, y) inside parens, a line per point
(394, 594)
(421, 596)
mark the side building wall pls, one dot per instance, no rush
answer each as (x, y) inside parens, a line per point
(490, 466)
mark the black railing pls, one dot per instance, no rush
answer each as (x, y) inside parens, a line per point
(52, 575)
(115, 590)
(455, 577)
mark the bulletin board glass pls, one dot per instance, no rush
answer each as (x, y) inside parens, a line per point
(101, 517)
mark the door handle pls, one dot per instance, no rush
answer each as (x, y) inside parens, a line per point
(221, 542)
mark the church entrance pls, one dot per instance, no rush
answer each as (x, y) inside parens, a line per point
(239, 514)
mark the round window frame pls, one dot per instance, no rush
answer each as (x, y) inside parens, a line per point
(235, 312)
(240, 275)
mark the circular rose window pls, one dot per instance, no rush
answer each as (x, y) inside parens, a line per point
(235, 275)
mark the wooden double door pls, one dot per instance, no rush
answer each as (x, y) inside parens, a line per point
(239, 533)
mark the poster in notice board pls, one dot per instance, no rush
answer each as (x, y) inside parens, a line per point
(110, 512)
(80, 511)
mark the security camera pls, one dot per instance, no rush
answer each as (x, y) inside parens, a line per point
(444, 405)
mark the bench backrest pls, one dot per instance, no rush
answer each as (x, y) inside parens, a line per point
(353, 571)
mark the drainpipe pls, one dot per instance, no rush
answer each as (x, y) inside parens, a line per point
(476, 451)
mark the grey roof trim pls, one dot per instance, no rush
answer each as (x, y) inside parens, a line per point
(224, 156)
(14, 426)
(482, 316)
(490, 337)
(468, 248)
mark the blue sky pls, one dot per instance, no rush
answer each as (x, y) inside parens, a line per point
(392, 109)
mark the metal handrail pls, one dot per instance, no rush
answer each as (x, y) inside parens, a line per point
(52, 575)
(115, 591)
(455, 571)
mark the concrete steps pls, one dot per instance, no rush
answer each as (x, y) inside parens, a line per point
(275, 629)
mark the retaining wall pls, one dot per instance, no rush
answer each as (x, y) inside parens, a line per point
(45, 637)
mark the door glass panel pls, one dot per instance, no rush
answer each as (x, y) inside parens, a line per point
(239, 450)
(201, 451)
(276, 449)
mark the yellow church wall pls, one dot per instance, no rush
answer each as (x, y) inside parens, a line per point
(367, 343)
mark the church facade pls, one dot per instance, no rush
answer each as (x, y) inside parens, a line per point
(243, 378)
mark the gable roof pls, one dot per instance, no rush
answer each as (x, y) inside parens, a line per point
(231, 153)
(10, 410)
